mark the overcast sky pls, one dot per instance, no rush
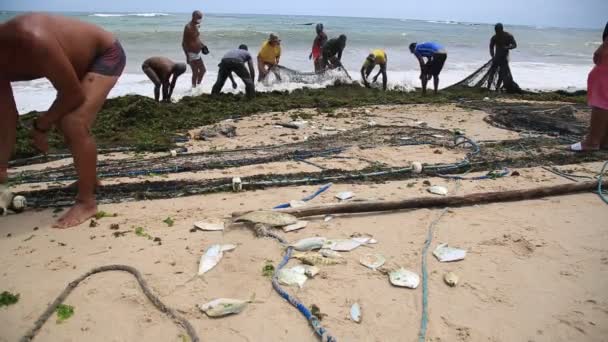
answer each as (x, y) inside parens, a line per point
(562, 13)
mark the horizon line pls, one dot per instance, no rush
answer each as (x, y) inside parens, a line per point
(438, 21)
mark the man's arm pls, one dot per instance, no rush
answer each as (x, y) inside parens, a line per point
(512, 43)
(422, 64)
(251, 69)
(70, 94)
(363, 76)
(172, 86)
(340, 55)
(234, 85)
(492, 45)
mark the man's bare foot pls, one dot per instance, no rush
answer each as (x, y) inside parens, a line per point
(80, 212)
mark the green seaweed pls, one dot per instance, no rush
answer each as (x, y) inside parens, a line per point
(101, 214)
(145, 125)
(169, 221)
(7, 298)
(268, 269)
(64, 312)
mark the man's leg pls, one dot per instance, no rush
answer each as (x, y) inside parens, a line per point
(491, 74)
(243, 73)
(261, 70)
(75, 127)
(8, 127)
(222, 76)
(598, 129)
(166, 86)
(195, 69)
(155, 79)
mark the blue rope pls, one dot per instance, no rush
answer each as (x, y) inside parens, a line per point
(424, 321)
(312, 319)
(599, 184)
(307, 198)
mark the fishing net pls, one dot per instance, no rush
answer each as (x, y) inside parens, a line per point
(295, 76)
(503, 79)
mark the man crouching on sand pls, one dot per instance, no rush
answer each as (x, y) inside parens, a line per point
(83, 62)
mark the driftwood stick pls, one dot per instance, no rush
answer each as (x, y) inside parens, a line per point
(441, 202)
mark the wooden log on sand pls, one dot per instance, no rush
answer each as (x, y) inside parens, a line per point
(442, 202)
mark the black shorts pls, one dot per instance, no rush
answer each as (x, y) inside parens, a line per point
(436, 64)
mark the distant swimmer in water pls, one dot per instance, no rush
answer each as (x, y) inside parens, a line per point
(234, 61)
(317, 48)
(500, 45)
(159, 70)
(269, 57)
(436, 56)
(194, 48)
(83, 62)
(377, 57)
(332, 52)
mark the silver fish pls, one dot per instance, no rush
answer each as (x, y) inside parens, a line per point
(309, 244)
(222, 307)
(212, 257)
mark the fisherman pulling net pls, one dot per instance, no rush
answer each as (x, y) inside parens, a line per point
(485, 77)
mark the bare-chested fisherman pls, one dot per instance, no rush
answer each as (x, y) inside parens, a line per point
(83, 62)
(159, 70)
(193, 46)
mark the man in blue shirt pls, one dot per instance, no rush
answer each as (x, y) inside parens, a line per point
(436, 56)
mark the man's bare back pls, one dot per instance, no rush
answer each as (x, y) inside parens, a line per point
(83, 62)
(162, 66)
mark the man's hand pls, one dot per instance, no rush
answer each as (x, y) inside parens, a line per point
(375, 79)
(310, 56)
(234, 85)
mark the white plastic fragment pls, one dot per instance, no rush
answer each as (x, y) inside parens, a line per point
(355, 313)
(209, 226)
(372, 261)
(438, 190)
(343, 196)
(296, 203)
(291, 277)
(443, 253)
(342, 245)
(237, 184)
(328, 218)
(417, 167)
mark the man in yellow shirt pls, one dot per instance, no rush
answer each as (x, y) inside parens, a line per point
(377, 57)
(269, 56)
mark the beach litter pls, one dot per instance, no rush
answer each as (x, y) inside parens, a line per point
(296, 204)
(328, 253)
(328, 218)
(417, 167)
(438, 190)
(291, 277)
(309, 244)
(308, 270)
(451, 279)
(372, 261)
(296, 226)
(270, 218)
(223, 307)
(343, 196)
(208, 226)
(404, 278)
(443, 253)
(355, 313)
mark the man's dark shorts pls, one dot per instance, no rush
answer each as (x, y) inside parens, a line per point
(437, 63)
(110, 63)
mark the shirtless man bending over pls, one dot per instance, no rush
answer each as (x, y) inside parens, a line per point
(192, 45)
(83, 62)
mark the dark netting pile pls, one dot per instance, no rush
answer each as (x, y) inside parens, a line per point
(481, 77)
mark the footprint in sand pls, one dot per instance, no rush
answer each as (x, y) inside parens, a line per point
(517, 243)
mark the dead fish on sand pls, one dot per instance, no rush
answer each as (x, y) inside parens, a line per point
(438, 190)
(355, 313)
(212, 257)
(208, 226)
(345, 245)
(223, 307)
(309, 244)
(316, 259)
(270, 218)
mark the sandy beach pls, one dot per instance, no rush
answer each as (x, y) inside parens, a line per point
(535, 270)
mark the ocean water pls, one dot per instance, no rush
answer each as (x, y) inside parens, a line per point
(546, 58)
